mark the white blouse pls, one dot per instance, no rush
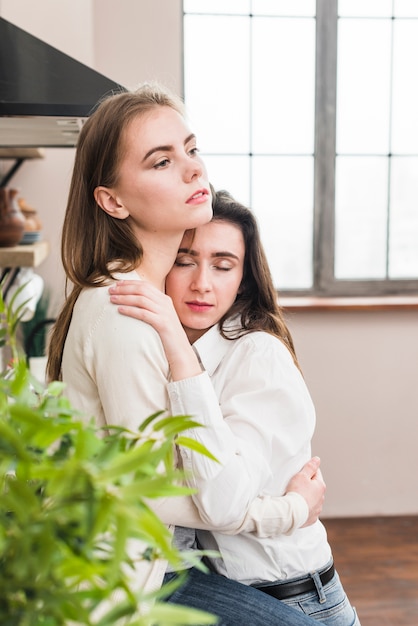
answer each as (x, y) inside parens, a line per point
(259, 424)
(116, 371)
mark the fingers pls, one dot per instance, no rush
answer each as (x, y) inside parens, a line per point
(143, 301)
(129, 283)
(135, 312)
(319, 477)
(131, 287)
(311, 467)
(131, 300)
(137, 293)
(308, 482)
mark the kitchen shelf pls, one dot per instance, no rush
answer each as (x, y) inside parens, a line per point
(22, 153)
(24, 256)
(19, 155)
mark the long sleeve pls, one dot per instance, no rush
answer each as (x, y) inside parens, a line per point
(248, 411)
(267, 516)
(229, 485)
(115, 370)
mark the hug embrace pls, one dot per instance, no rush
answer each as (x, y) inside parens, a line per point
(196, 330)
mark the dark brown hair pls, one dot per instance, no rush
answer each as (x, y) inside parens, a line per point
(257, 301)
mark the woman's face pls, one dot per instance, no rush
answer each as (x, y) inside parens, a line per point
(205, 280)
(162, 182)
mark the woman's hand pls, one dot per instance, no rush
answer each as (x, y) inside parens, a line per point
(141, 300)
(310, 484)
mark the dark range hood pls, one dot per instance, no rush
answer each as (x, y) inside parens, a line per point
(45, 95)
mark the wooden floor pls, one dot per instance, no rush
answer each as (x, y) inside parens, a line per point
(377, 560)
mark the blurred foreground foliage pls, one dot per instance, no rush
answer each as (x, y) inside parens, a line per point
(74, 517)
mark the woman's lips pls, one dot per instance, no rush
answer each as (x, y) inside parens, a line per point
(199, 197)
(199, 307)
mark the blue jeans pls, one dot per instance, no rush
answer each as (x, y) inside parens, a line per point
(328, 604)
(235, 604)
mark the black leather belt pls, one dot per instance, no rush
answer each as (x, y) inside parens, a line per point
(294, 588)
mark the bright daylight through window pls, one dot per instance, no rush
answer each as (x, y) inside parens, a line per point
(307, 112)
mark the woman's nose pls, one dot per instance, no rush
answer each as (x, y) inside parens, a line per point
(201, 281)
(194, 169)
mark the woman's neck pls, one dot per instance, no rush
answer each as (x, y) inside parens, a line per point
(158, 258)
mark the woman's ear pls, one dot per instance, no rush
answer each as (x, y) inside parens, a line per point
(107, 201)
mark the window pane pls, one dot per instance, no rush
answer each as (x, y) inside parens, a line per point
(365, 8)
(405, 8)
(405, 88)
(249, 79)
(403, 248)
(361, 217)
(218, 109)
(216, 6)
(363, 86)
(231, 173)
(304, 8)
(283, 93)
(283, 203)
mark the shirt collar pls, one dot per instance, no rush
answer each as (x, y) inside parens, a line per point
(212, 347)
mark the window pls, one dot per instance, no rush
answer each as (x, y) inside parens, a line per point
(308, 112)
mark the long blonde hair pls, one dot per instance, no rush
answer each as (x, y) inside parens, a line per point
(92, 241)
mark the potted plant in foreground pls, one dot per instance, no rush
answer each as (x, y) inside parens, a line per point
(72, 500)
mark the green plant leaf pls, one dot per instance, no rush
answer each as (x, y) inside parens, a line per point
(175, 615)
(74, 518)
(195, 445)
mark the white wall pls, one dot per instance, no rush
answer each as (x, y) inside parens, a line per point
(138, 40)
(362, 370)
(66, 24)
(361, 367)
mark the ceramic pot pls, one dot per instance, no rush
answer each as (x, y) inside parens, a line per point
(32, 221)
(12, 221)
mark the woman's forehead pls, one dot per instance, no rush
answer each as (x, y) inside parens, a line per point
(215, 235)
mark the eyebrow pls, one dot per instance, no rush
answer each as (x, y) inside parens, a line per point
(166, 148)
(215, 254)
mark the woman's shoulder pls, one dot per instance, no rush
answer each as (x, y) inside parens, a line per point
(261, 339)
(96, 314)
(260, 344)
(98, 295)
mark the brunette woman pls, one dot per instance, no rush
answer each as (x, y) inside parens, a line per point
(261, 424)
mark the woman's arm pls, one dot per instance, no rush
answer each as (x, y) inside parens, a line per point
(224, 490)
(268, 516)
(265, 432)
(233, 481)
